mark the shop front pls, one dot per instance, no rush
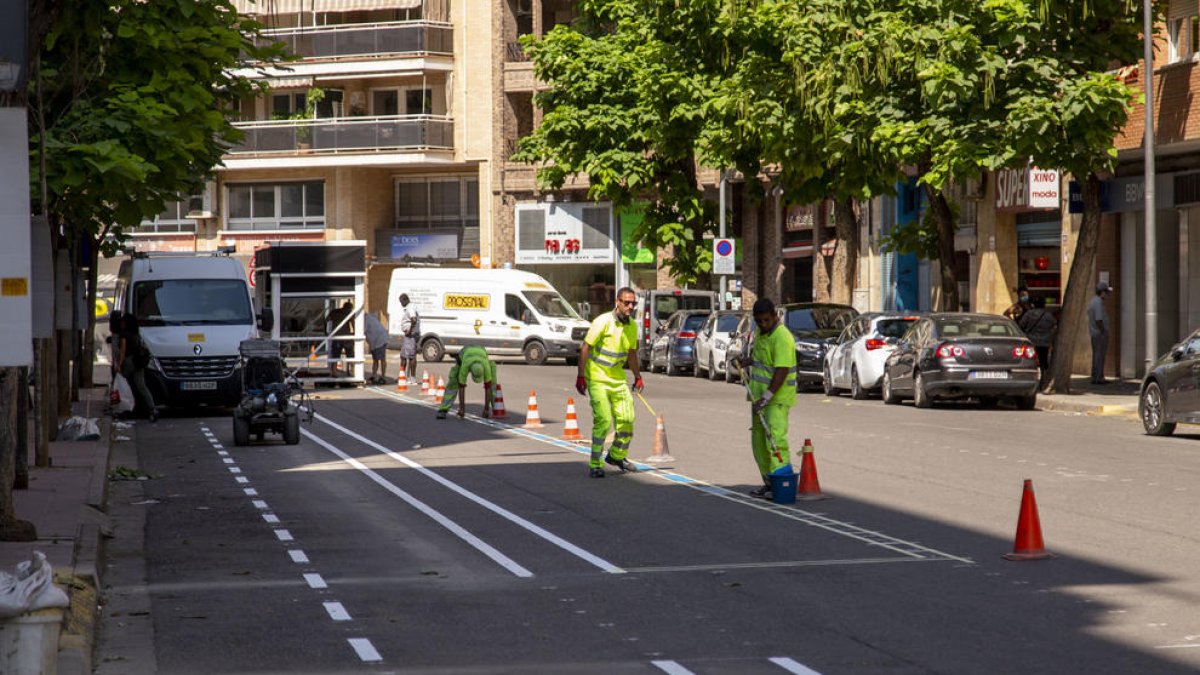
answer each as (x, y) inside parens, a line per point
(571, 245)
(1031, 198)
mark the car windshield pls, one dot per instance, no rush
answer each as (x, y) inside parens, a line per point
(818, 318)
(977, 327)
(666, 305)
(551, 304)
(694, 322)
(192, 302)
(894, 328)
(727, 322)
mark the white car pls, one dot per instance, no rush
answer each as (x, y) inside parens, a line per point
(855, 361)
(713, 341)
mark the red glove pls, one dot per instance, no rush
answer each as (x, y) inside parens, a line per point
(638, 385)
(581, 385)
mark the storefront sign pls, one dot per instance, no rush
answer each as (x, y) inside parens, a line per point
(564, 233)
(1121, 195)
(1027, 189)
(801, 217)
(425, 246)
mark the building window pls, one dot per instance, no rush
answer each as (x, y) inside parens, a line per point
(278, 206)
(172, 219)
(402, 101)
(1183, 37)
(437, 202)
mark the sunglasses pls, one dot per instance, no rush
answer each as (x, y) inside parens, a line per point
(628, 303)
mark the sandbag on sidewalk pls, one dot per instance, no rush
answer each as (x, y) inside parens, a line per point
(78, 429)
(31, 589)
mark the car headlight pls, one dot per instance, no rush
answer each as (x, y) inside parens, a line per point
(721, 344)
(154, 364)
(558, 328)
(808, 347)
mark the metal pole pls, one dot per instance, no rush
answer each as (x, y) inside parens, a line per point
(1151, 243)
(721, 200)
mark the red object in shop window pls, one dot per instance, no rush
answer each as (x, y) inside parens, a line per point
(1041, 262)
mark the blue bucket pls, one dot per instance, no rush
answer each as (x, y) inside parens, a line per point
(783, 488)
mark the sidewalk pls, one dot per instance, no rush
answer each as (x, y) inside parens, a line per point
(1117, 398)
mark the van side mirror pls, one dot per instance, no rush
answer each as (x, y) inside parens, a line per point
(266, 320)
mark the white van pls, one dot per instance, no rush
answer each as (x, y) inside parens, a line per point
(509, 312)
(193, 312)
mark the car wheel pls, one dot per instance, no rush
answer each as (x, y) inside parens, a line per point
(730, 372)
(241, 431)
(697, 371)
(432, 350)
(535, 353)
(291, 429)
(857, 392)
(1027, 402)
(827, 383)
(712, 370)
(920, 396)
(889, 396)
(1152, 408)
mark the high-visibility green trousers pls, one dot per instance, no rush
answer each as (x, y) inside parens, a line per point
(452, 387)
(611, 404)
(777, 422)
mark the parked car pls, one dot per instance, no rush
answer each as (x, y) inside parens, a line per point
(958, 355)
(655, 307)
(712, 342)
(674, 348)
(738, 341)
(816, 326)
(855, 360)
(1169, 390)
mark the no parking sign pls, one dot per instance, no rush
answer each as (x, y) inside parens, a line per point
(723, 256)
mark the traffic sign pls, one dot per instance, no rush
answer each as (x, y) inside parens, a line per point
(723, 256)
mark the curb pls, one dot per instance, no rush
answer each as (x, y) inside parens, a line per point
(1098, 409)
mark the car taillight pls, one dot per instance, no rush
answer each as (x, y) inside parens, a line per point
(874, 343)
(948, 350)
(687, 334)
(1024, 352)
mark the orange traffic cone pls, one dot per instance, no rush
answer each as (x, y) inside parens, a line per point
(660, 453)
(312, 356)
(498, 410)
(441, 391)
(533, 420)
(571, 432)
(425, 384)
(402, 382)
(1028, 544)
(809, 489)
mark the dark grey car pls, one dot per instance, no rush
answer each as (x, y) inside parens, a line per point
(1171, 390)
(954, 355)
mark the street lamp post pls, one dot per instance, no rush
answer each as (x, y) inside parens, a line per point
(1148, 167)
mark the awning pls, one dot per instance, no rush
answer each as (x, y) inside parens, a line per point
(296, 6)
(290, 82)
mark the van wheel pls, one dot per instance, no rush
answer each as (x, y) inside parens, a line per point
(432, 350)
(572, 360)
(291, 429)
(241, 431)
(535, 353)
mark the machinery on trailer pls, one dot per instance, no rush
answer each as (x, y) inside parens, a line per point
(272, 398)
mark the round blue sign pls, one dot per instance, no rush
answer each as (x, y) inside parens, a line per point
(724, 248)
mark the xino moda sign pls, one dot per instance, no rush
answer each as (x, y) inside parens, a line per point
(478, 303)
(1028, 189)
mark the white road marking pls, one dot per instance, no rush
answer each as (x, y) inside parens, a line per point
(365, 650)
(792, 666)
(315, 580)
(234, 469)
(671, 667)
(271, 518)
(251, 492)
(284, 535)
(491, 506)
(777, 564)
(242, 479)
(1187, 646)
(298, 556)
(479, 545)
(228, 460)
(223, 453)
(337, 612)
(218, 446)
(259, 504)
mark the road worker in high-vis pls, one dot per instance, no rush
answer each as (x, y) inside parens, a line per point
(610, 344)
(472, 362)
(771, 381)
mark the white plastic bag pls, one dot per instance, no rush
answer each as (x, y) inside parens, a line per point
(31, 589)
(122, 396)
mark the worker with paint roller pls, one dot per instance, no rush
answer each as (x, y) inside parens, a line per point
(611, 342)
(471, 362)
(771, 390)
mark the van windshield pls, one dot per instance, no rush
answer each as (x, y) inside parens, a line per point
(192, 302)
(666, 305)
(551, 304)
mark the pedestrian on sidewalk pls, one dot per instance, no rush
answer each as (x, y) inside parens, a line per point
(377, 340)
(610, 345)
(472, 362)
(410, 328)
(771, 382)
(1098, 326)
(132, 359)
(1040, 327)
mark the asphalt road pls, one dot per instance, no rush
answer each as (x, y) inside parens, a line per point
(388, 541)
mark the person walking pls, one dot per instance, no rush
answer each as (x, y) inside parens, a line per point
(772, 393)
(377, 341)
(1040, 327)
(610, 344)
(1098, 326)
(472, 362)
(410, 328)
(132, 359)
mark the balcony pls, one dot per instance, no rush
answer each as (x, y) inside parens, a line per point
(365, 40)
(406, 133)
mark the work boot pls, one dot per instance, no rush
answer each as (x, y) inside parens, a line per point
(596, 472)
(763, 492)
(441, 414)
(624, 465)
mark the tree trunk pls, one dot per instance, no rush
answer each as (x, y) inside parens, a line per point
(11, 529)
(1079, 287)
(41, 403)
(87, 356)
(21, 472)
(943, 217)
(845, 255)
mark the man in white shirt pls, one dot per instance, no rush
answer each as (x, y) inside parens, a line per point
(1098, 325)
(410, 328)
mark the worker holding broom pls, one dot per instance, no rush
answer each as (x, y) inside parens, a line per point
(472, 362)
(771, 390)
(611, 342)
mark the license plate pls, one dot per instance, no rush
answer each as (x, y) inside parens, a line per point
(198, 386)
(988, 375)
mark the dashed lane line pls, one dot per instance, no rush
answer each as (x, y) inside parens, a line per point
(365, 650)
(792, 666)
(671, 667)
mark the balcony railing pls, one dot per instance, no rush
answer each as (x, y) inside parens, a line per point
(349, 134)
(402, 37)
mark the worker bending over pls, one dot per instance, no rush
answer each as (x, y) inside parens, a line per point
(772, 392)
(471, 362)
(611, 342)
